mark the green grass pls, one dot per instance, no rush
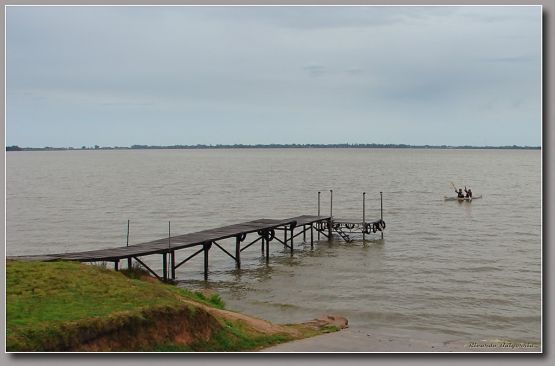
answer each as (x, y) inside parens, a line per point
(40, 292)
(139, 273)
(47, 300)
(214, 300)
(233, 337)
(60, 305)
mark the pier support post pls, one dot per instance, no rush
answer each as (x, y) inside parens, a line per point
(172, 264)
(304, 233)
(292, 228)
(238, 252)
(129, 263)
(262, 246)
(116, 265)
(206, 247)
(329, 229)
(165, 266)
(267, 251)
(285, 237)
(311, 236)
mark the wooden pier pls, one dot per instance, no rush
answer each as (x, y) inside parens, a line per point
(262, 230)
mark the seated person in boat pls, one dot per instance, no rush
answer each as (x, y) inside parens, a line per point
(468, 192)
(460, 193)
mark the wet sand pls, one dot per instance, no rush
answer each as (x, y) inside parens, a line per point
(356, 340)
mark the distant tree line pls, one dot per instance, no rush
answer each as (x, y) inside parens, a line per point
(326, 146)
(274, 146)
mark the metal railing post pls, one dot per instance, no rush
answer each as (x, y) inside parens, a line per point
(169, 247)
(318, 212)
(129, 260)
(363, 216)
(381, 209)
(331, 202)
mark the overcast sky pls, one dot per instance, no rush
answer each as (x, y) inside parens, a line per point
(117, 76)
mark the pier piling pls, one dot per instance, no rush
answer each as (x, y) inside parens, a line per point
(267, 251)
(165, 266)
(172, 264)
(238, 251)
(206, 247)
(311, 236)
(292, 236)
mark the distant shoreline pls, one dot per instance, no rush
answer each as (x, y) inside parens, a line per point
(275, 146)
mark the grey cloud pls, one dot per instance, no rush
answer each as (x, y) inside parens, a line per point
(354, 71)
(315, 70)
(195, 67)
(510, 59)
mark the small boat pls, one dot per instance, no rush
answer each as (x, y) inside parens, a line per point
(462, 198)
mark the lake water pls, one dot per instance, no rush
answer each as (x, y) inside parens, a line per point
(468, 271)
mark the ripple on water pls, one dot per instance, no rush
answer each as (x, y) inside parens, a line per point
(460, 270)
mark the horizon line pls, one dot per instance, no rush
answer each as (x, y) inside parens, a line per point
(271, 145)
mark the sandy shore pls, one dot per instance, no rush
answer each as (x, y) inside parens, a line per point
(355, 340)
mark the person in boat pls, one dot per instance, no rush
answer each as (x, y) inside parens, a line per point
(460, 193)
(468, 192)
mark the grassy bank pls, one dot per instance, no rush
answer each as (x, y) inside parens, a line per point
(68, 306)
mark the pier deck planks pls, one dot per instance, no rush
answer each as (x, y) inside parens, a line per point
(176, 242)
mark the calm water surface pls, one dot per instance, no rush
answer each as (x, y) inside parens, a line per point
(459, 270)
